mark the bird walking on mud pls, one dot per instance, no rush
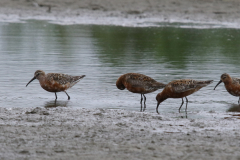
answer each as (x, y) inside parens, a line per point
(55, 82)
(231, 84)
(179, 89)
(138, 83)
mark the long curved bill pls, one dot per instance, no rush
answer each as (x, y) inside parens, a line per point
(217, 84)
(31, 80)
(157, 107)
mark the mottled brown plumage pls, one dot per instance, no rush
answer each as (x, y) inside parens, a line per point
(231, 84)
(138, 83)
(55, 82)
(179, 89)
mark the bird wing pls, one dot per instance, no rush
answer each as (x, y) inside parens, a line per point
(138, 80)
(236, 80)
(188, 84)
(64, 78)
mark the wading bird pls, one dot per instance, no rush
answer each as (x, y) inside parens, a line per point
(231, 84)
(55, 82)
(138, 83)
(179, 89)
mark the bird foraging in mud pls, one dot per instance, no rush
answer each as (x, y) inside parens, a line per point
(179, 89)
(138, 83)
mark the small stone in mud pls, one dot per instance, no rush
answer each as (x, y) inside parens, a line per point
(98, 114)
(212, 111)
(24, 152)
(40, 152)
(151, 148)
(77, 135)
(58, 150)
(39, 111)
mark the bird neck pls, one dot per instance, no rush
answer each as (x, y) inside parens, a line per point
(162, 97)
(41, 78)
(227, 81)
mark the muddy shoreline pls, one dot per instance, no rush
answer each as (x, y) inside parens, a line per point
(223, 13)
(62, 133)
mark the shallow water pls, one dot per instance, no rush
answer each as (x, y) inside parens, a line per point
(103, 53)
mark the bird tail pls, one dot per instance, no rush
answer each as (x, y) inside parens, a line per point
(82, 76)
(204, 83)
(160, 85)
(76, 80)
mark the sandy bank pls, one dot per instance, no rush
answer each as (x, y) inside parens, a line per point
(225, 13)
(63, 133)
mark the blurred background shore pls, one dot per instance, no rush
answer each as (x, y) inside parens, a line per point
(206, 11)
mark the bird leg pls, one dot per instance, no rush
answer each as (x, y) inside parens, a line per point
(181, 105)
(144, 102)
(238, 100)
(186, 103)
(56, 95)
(67, 95)
(141, 103)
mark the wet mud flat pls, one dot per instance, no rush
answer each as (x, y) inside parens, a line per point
(124, 12)
(63, 133)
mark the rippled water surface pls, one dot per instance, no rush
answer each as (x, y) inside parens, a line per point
(103, 53)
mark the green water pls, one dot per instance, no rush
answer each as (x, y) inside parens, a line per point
(103, 53)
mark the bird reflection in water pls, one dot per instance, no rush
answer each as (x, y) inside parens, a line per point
(54, 103)
(234, 108)
(185, 115)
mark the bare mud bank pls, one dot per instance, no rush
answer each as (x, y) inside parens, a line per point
(63, 133)
(221, 13)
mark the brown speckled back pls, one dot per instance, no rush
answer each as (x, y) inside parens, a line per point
(139, 83)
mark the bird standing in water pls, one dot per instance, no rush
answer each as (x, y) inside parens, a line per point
(231, 84)
(179, 89)
(55, 82)
(138, 83)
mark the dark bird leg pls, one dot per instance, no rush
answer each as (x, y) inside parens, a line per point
(186, 104)
(55, 96)
(144, 103)
(67, 95)
(141, 103)
(181, 105)
(238, 100)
